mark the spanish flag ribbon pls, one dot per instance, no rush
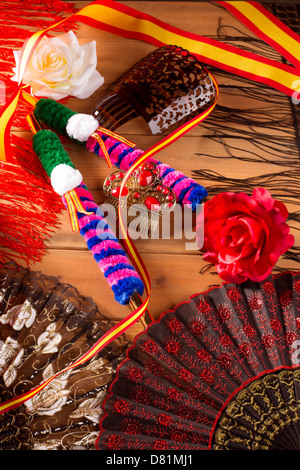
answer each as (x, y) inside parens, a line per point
(124, 21)
(5, 127)
(74, 206)
(127, 22)
(267, 27)
(109, 133)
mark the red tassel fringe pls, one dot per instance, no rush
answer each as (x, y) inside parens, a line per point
(29, 208)
(29, 212)
(19, 19)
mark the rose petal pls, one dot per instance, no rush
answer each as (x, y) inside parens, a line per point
(231, 273)
(90, 53)
(211, 257)
(279, 206)
(68, 40)
(233, 255)
(263, 197)
(46, 92)
(235, 231)
(94, 82)
(60, 67)
(245, 236)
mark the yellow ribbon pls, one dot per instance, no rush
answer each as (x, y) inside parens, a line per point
(263, 23)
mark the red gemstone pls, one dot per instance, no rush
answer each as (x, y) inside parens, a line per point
(165, 191)
(159, 188)
(150, 166)
(145, 178)
(169, 197)
(136, 195)
(120, 175)
(107, 183)
(152, 203)
(112, 177)
(147, 166)
(116, 191)
(124, 191)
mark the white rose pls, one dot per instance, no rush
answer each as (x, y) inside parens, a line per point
(60, 67)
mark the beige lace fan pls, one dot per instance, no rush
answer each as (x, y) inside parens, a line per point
(45, 325)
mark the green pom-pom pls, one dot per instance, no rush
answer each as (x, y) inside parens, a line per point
(50, 150)
(53, 114)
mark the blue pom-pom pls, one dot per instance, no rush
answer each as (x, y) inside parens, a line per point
(125, 288)
(197, 195)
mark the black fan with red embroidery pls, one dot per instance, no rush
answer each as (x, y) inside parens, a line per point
(218, 372)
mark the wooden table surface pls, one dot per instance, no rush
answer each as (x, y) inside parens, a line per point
(174, 271)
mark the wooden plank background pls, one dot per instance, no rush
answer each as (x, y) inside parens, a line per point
(174, 271)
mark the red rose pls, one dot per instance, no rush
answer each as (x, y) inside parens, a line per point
(244, 236)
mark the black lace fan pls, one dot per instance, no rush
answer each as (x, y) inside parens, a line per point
(220, 371)
(45, 325)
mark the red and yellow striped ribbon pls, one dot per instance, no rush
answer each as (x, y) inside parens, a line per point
(110, 134)
(5, 127)
(267, 27)
(32, 100)
(74, 206)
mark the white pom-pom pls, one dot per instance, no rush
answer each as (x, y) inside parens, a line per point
(64, 178)
(81, 126)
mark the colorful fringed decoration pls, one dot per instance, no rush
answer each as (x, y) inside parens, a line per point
(85, 214)
(83, 128)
